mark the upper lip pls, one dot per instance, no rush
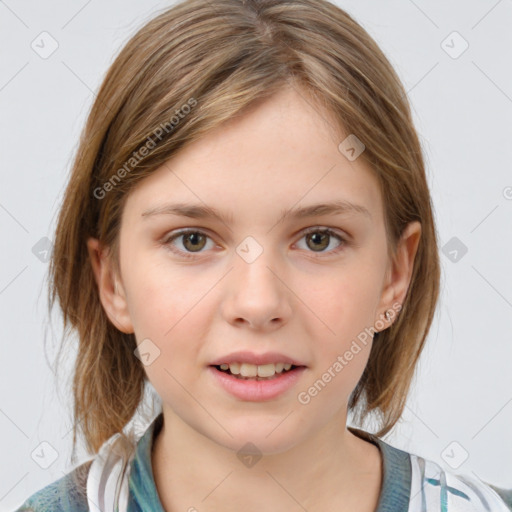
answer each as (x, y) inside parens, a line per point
(257, 359)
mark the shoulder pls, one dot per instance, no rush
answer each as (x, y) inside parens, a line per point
(68, 494)
(434, 488)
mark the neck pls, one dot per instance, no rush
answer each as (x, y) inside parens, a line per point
(331, 470)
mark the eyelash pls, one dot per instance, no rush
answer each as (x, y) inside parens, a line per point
(324, 231)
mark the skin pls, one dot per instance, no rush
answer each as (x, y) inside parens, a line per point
(298, 297)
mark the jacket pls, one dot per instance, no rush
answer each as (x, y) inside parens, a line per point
(113, 481)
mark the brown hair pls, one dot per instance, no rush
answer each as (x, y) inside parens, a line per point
(219, 58)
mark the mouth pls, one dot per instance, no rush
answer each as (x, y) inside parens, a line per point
(256, 382)
(247, 371)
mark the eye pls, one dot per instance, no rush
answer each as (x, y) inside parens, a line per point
(319, 238)
(193, 241)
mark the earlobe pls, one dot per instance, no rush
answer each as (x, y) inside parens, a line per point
(110, 289)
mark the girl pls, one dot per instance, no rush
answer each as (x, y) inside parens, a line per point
(248, 231)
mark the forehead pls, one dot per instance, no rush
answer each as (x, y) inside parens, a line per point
(282, 153)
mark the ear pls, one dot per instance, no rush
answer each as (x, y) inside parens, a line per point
(110, 288)
(399, 272)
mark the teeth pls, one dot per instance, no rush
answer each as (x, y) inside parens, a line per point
(234, 368)
(266, 370)
(248, 370)
(252, 370)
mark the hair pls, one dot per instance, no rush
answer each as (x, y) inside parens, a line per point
(188, 70)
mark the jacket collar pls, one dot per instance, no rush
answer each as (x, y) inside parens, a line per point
(396, 478)
(394, 496)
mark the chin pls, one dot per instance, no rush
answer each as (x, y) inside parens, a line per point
(260, 436)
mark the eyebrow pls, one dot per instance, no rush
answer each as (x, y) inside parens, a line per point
(197, 211)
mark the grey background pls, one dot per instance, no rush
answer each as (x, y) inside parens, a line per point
(463, 111)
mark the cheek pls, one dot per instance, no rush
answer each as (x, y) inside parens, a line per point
(167, 309)
(345, 302)
(343, 307)
(160, 298)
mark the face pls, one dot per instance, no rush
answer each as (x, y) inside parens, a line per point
(281, 289)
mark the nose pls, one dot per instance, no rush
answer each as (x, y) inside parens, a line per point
(257, 294)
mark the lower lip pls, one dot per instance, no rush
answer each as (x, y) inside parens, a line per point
(257, 390)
